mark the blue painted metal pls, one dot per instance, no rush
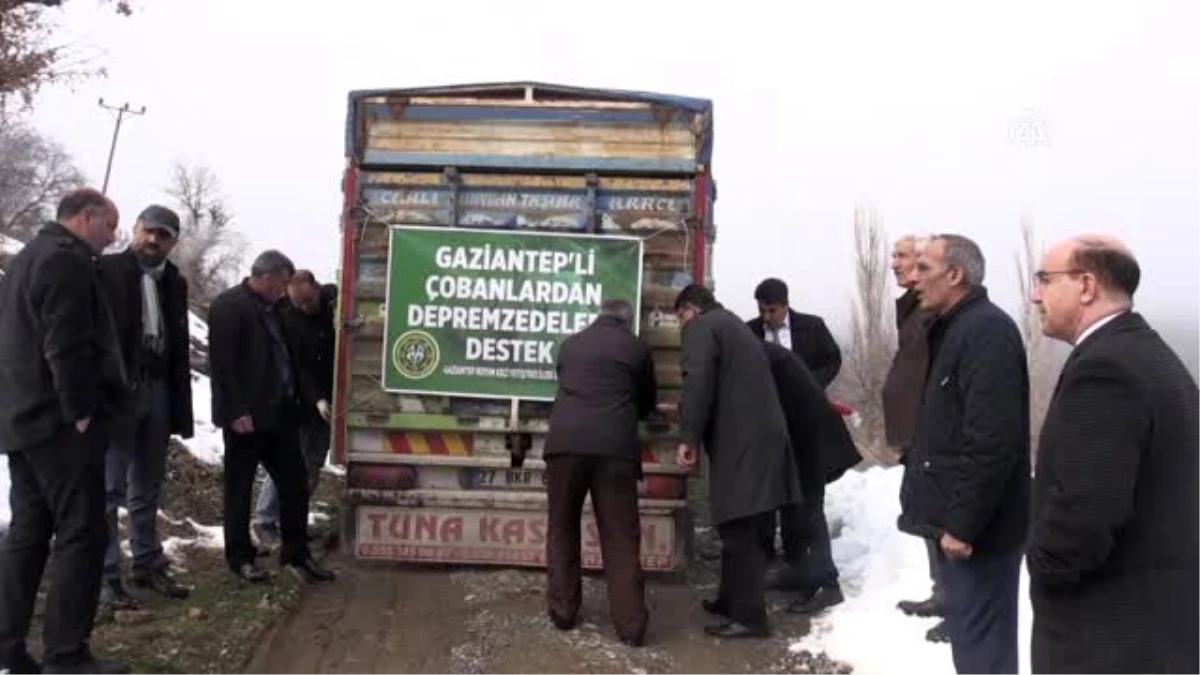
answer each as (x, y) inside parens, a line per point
(694, 114)
(544, 162)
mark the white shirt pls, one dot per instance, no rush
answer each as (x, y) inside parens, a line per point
(1097, 326)
(781, 336)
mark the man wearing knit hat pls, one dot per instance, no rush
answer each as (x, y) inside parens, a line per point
(149, 300)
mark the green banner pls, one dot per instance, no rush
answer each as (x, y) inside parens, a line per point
(483, 312)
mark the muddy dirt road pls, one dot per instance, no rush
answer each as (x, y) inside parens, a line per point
(388, 619)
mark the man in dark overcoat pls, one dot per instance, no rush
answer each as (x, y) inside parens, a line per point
(256, 403)
(823, 450)
(730, 408)
(64, 390)
(605, 386)
(1113, 555)
(149, 300)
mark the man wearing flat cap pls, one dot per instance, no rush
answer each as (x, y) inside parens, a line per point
(149, 301)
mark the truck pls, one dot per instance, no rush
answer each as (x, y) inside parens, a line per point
(482, 225)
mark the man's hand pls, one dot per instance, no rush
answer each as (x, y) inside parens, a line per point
(323, 408)
(82, 425)
(955, 549)
(685, 456)
(243, 425)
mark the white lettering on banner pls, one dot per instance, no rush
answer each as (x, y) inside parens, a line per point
(504, 351)
(503, 537)
(498, 319)
(544, 292)
(487, 259)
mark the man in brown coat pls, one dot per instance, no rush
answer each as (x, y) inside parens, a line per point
(902, 398)
(605, 385)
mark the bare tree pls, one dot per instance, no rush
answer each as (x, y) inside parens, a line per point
(35, 171)
(872, 331)
(209, 252)
(1040, 357)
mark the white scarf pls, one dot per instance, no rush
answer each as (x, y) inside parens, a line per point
(152, 325)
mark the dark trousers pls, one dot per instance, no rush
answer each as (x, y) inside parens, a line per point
(134, 472)
(613, 486)
(981, 610)
(935, 562)
(314, 446)
(279, 452)
(807, 549)
(742, 590)
(57, 492)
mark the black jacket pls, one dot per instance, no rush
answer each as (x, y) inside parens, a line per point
(242, 365)
(906, 378)
(312, 340)
(811, 341)
(730, 407)
(605, 385)
(59, 357)
(822, 443)
(122, 277)
(1113, 555)
(968, 470)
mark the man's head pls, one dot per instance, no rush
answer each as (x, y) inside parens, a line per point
(1081, 281)
(305, 292)
(692, 301)
(949, 267)
(772, 297)
(155, 234)
(904, 259)
(90, 216)
(618, 309)
(270, 274)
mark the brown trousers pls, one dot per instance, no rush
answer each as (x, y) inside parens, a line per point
(613, 486)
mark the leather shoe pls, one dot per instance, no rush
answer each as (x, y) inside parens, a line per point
(931, 606)
(114, 596)
(162, 583)
(733, 629)
(817, 599)
(99, 666)
(250, 573)
(938, 633)
(310, 571)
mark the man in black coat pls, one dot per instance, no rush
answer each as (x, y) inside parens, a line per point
(902, 401)
(308, 323)
(64, 390)
(1113, 556)
(966, 479)
(605, 386)
(255, 401)
(149, 301)
(824, 450)
(805, 334)
(730, 407)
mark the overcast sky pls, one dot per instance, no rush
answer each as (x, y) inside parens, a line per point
(944, 116)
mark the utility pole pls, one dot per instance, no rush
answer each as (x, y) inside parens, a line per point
(121, 113)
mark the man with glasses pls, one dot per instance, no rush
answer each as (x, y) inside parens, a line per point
(149, 301)
(1113, 554)
(966, 478)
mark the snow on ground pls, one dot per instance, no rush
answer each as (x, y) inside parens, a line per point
(206, 443)
(197, 329)
(9, 245)
(880, 566)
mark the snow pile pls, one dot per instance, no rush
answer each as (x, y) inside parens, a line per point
(10, 246)
(880, 566)
(206, 443)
